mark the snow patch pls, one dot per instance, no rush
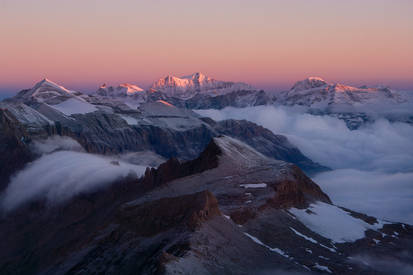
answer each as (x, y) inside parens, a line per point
(322, 268)
(130, 120)
(74, 106)
(304, 236)
(312, 240)
(254, 185)
(276, 250)
(333, 223)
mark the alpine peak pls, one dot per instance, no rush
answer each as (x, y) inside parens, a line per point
(309, 83)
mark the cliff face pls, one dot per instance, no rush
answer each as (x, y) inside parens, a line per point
(154, 217)
(297, 192)
(239, 99)
(174, 169)
(14, 151)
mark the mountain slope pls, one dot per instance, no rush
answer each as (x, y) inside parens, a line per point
(231, 210)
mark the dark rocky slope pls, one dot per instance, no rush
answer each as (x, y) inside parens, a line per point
(14, 150)
(196, 217)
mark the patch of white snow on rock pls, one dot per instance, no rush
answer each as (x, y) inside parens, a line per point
(333, 222)
(277, 250)
(254, 185)
(74, 106)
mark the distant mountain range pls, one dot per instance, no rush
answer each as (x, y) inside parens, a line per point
(217, 197)
(356, 106)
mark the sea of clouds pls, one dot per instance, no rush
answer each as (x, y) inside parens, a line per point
(372, 166)
(63, 171)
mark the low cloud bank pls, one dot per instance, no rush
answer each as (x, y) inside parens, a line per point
(56, 143)
(381, 146)
(390, 264)
(61, 175)
(374, 164)
(384, 195)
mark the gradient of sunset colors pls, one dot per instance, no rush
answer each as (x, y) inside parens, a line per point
(81, 44)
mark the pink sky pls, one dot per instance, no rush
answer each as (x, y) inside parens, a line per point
(82, 44)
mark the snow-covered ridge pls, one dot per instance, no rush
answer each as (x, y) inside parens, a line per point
(188, 86)
(122, 90)
(309, 83)
(316, 93)
(51, 96)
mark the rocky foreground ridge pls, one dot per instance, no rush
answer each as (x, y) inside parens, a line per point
(232, 210)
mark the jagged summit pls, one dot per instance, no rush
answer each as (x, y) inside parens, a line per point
(309, 83)
(130, 88)
(316, 93)
(122, 90)
(188, 86)
(197, 76)
(45, 91)
(47, 83)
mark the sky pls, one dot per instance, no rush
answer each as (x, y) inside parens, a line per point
(267, 43)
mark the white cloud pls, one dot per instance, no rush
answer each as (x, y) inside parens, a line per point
(62, 175)
(374, 163)
(380, 146)
(55, 143)
(383, 195)
(389, 264)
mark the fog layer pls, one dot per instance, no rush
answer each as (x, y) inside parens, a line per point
(373, 164)
(61, 175)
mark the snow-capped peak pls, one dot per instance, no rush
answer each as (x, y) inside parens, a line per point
(130, 88)
(309, 83)
(124, 89)
(316, 93)
(46, 91)
(200, 77)
(47, 83)
(187, 86)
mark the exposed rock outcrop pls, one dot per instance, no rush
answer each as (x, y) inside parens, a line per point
(157, 216)
(14, 149)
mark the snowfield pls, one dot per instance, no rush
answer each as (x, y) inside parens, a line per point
(74, 106)
(333, 223)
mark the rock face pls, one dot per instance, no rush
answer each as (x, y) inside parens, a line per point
(14, 149)
(239, 99)
(231, 210)
(297, 192)
(188, 211)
